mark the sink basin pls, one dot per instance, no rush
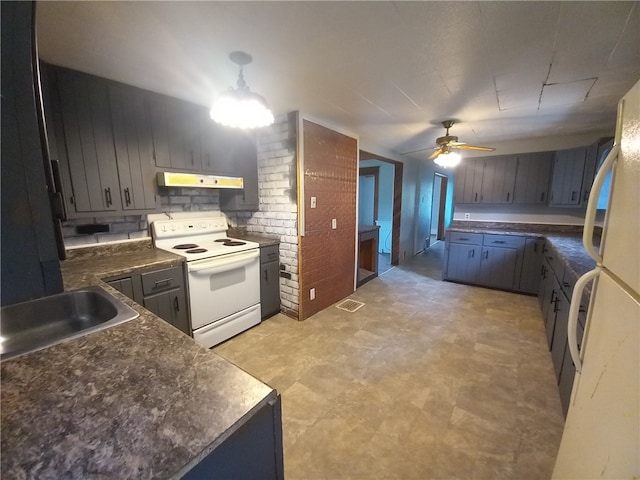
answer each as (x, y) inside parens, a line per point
(37, 324)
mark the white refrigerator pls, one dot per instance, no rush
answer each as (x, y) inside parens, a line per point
(601, 436)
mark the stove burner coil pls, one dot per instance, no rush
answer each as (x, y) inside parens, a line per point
(197, 250)
(234, 243)
(222, 240)
(186, 246)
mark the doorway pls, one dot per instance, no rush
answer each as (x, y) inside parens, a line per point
(438, 205)
(368, 195)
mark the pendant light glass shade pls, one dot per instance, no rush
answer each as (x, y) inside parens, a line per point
(448, 159)
(241, 108)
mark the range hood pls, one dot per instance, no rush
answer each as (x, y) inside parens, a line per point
(172, 179)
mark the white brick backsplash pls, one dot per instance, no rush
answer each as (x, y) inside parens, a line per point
(278, 209)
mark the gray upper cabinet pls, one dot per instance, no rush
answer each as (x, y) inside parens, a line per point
(568, 170)
(468, 181)
(176, 133)
(485, 181)
(134, 148)
(498, 178)
(244, 156)
(102, 139)
(91, 172)
(532, 179)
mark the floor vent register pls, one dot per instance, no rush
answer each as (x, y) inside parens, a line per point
(350, 305)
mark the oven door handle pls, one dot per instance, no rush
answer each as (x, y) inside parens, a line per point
(224, 264)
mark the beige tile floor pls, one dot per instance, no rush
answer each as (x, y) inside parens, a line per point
(429, 380)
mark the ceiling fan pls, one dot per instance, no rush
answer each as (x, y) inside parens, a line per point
(449, 142)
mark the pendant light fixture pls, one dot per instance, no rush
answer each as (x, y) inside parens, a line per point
(447, 158)
(240, 107)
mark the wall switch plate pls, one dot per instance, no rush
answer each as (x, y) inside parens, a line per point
(312, 294)
(313, 202)
(467, 216)
(334, 223)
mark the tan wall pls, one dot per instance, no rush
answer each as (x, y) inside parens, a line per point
(327, 256)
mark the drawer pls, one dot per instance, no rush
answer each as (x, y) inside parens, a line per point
(161, 280)
(507, 241)
(269, 253)
(462, 237)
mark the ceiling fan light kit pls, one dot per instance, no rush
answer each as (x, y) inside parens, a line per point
(240, 107)
(443, 155)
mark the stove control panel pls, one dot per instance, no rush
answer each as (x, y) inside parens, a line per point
(188, 227)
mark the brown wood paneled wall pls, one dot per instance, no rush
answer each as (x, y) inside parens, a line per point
(327, 256)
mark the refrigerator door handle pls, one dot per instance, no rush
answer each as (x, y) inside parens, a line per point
(574, 309)
(592, 204)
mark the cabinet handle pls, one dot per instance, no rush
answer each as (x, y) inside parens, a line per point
(176, 304)
(476, 197)
(486, 255)
(553, 295)
(586, 196)
(535, 248)
(542, 194)
(573, 196)
(508, 195)
(164, 280)
(464, 239)
(555, 305)
(127, 196)
(266, 275)
(192, 162)
(107, 196)
(499, 241)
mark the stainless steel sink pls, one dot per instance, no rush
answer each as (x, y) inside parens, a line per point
(37, 324)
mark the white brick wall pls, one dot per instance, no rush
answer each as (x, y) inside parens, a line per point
(278, 214)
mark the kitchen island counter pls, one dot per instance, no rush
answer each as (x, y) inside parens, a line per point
(139, 400)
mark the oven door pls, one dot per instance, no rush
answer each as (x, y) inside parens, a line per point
(224, 285)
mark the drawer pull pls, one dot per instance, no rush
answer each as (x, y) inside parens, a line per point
(164, 280)
(499, 241)
(463, 239)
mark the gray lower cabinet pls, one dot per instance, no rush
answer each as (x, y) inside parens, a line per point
(462, 257)
(253, 451)
(531, 265)
(488, 260)
(159, 291)
(269, 280)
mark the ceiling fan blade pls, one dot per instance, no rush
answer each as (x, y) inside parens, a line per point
(436, 153)
(473, 147)
(420, 150)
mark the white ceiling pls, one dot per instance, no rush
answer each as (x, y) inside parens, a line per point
(387, 71)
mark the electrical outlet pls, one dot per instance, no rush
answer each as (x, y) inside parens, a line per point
(334, 223)
(313, 202)
(467, 216)
(312, 294)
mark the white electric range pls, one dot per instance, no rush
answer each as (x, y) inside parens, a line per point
(223, 275)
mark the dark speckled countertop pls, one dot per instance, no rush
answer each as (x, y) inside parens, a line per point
(566, 240)
(137, 401)
(264, 239)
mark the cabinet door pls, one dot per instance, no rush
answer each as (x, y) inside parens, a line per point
(91, 159)
(269, 289)
(531, 264)
(472, 192)
(463, 263)
(559, 339)
(134, 148)
(123, 285)
(171, 307)
(498, 266)
(551, 309)
(568, 170)
(245, 161)
(532, 179)
(175, 126)
(498, 179)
